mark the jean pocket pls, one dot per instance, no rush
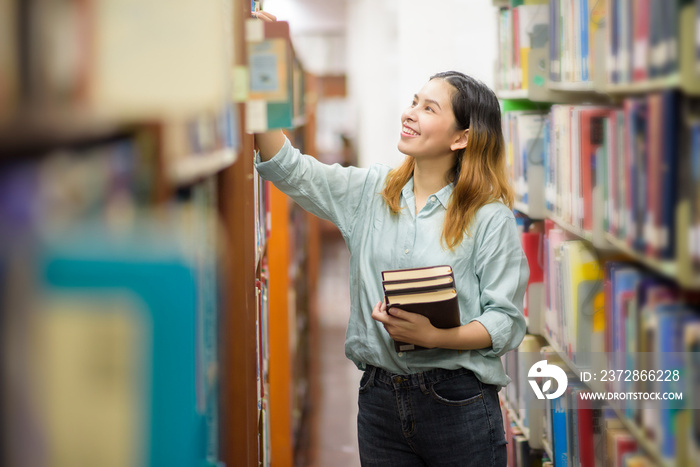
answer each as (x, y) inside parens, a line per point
(458, 391)
(367, 379)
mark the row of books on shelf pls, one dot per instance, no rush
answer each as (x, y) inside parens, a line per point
(598, 44)
(105, 181)
(263, 215)
(574, 430)
(93, 324)
(100, 293)
(626, 172)
(197, 147)
(643, 39)
(520, 29)
(593, 301)
(69, 63)
(599, 314)
(73, 55)
(276, 80)
(262, 325)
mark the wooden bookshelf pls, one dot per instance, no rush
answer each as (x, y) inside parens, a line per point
(43, 128)
(68, 122)
(239, 431)
(633, 85)
(291, 255)
(195, 167)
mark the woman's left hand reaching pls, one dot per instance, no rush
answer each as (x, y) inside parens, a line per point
(405, 326)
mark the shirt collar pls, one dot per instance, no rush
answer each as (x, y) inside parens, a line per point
(443, 195)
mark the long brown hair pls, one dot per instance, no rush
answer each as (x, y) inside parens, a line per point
(480, 175)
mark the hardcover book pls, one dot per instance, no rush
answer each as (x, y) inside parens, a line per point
(429, 291)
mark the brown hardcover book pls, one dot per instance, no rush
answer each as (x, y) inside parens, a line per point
(418, 285)
(416, 273)
(428, 291)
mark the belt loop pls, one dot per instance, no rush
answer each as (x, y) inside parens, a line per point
(372, 373)
(421, 381)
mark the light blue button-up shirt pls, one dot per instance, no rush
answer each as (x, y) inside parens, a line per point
(490, 268)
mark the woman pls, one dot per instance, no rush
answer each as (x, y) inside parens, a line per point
(448, 203)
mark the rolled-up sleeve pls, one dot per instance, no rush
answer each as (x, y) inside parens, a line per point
(331, 192)
(503, 272)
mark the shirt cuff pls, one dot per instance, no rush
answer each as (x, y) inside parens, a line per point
(498, 325)
(279, 166)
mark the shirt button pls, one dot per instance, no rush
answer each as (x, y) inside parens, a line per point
(400, 354)
(407, 251)
(433, 198)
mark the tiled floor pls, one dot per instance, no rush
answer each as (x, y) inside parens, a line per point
(332, 415)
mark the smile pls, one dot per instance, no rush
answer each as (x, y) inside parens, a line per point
(409, 132)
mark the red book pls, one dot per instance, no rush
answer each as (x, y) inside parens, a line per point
(533, 248)
(591, 138)
(584, 424)
(624, 443)
(640, 46)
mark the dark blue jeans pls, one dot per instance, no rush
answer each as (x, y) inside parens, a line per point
(435, 418)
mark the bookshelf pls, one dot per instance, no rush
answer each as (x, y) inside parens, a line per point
(647, 94)
(270, 241)
(148, 281)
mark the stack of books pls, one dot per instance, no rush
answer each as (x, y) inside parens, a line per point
(429, 291)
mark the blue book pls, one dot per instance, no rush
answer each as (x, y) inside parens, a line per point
(560, 434)
(161, 280)
(669, 171)
(614, 43)
(655, 37)
(554, 41)
(624, 282)
(585, 54)
(673, 319)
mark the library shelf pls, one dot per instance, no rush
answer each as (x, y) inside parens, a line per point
(190, 169)
(512, 414)
(513, 94)
(521, 207)
(666, 268)
(548, 449)
(582, 86)
(659, 84)
(648, 446)
(681, 76)
(525, 209)
(514, 417)
(599, 243)
(39, 129)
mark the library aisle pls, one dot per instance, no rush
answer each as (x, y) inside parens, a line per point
(331, 427)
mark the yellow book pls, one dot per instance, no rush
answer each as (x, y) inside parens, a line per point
(583, 287)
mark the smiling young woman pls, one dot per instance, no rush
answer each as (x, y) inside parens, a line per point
(449, 202)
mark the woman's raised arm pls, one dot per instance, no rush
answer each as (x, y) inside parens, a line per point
(269, 143)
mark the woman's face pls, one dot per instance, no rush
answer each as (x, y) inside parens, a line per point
(428, 127)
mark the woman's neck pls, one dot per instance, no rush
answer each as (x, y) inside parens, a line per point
(429, 177)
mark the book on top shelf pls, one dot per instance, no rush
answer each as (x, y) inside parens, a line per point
(429, 291)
